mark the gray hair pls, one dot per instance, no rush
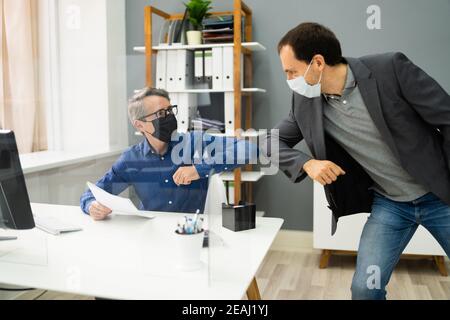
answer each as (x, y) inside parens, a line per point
(136, 108)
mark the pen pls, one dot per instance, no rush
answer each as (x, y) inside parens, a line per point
(190, 225)
(186, 222)
(200, 225)
(180, 229)
(195, 223)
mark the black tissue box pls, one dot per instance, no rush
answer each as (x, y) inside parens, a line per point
(239, 218)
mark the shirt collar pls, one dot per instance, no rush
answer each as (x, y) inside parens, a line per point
(149, 150)
(350, 84)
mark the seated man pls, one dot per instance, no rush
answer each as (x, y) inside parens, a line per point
(168, 170)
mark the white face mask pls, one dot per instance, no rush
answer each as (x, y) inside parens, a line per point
(300, 86)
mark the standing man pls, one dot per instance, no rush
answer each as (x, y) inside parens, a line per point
(378, 128)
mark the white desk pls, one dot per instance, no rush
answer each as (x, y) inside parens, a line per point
(131, 258)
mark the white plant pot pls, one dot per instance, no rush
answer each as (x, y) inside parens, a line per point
(194, 37)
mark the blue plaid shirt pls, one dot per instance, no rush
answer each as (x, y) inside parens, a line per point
(151, 174)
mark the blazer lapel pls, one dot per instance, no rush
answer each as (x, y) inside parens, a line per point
(317, 131)
(369, 92)
(309, 114)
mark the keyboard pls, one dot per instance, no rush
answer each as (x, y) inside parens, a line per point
(54, 226)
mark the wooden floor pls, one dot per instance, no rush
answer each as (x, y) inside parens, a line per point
(295, 275)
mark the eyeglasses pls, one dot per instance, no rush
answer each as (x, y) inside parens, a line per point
(163, 113)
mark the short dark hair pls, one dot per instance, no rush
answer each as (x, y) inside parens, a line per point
(309, 39)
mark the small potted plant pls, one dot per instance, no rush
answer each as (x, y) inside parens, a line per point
(197, 10)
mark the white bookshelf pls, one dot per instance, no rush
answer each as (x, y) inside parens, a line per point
(243, 135)
(184, 93)
(198, 91)
(246, 176)
(253, 46)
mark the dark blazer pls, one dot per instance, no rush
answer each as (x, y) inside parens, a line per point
(409, 108)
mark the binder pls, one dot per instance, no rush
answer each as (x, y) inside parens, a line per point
(172, 70)
(228, 68)
(173, 98)
(229, 113)
(161, 69)
(183, 112)
(208, 65)
(198, 56)
(217, 68)
(185, 69)
(187, 104)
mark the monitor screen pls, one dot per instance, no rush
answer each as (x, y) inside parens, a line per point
(15, 209)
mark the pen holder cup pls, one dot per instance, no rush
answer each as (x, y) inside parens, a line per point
(189, 249)
(239, 218)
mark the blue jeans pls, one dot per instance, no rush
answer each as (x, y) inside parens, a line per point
(387, 232)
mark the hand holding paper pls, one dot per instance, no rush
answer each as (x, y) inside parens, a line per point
(118, 205)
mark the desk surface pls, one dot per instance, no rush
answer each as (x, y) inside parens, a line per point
(132, 258)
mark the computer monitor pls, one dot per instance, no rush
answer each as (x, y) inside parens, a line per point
(15, 209)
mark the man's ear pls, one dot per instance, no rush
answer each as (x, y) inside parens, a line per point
(138, 125)
(319, 61)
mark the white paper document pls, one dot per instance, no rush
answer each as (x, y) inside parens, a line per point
(118, 205)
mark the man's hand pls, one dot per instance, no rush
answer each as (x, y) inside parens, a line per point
(185, 175)
(324, 172)
(98, 211)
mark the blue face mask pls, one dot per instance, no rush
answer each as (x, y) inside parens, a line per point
(300, 85)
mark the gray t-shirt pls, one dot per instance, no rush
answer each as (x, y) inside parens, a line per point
(348, 121)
